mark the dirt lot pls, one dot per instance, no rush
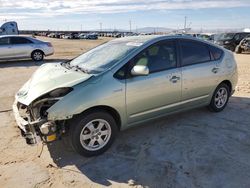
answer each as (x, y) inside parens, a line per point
(191, 149)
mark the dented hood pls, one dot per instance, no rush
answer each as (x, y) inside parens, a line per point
(47, 78)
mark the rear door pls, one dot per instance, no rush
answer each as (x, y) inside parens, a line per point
(21, 47)
(160, 91)
(199, 72)
(5, 48)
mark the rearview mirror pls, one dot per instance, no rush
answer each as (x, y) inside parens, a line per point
(140, 70)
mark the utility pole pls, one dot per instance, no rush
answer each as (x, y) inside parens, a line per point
(81, 27)
(100, 26)
(130, 30)
(185, 24)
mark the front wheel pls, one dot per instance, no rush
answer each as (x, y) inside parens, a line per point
(220, 98)
(238, 50)
(93, 133)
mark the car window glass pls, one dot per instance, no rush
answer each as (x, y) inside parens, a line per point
(237, 37)
(19, 40)
(4, 41)
(161, 56)
(243, 35)
(216, 53)
(194, 52)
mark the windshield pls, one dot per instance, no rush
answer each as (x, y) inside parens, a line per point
(104, 56)
(227, 36)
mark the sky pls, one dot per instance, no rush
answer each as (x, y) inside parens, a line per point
(116, 14)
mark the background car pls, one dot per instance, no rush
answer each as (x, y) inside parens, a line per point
(231, 40)
(244, 45)
(16, 47)
(91, 36)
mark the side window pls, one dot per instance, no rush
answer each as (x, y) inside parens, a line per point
(243, 35)
(216, 53)
(193, 52)
(122, 72)
(237, 37)
(158, 57)
(4, 41)
(19, 40)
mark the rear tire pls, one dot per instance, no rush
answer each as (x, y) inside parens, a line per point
(220, 98)
(238, 50)
(232, 48)
(93, 133)
(37, 55)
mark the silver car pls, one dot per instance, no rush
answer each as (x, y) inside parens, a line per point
(120, 84)
(17, 47)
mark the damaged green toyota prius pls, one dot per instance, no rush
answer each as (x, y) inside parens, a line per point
(119, 84)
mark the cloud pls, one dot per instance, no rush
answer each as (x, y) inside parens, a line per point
(50, 8)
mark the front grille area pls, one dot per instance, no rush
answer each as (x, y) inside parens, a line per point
(23, 111)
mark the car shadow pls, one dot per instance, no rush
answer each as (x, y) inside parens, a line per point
(27, 62)
(189, 149)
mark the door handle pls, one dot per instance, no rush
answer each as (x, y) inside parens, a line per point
(215, 70)
(174, 79)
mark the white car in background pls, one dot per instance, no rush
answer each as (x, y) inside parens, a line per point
(16, 47)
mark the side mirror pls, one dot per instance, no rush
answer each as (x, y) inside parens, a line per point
(140, 70)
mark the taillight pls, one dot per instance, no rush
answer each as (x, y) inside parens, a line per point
(49, 44)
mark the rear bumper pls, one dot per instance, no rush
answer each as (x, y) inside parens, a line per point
(48, 51)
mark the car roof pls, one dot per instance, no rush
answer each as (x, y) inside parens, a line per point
(27, 37)
(150, 39)
(2, 36)
(155, 38)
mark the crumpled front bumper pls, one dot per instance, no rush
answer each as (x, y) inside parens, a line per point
(28, 129)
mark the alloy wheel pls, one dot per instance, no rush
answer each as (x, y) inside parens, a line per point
(95, 134)
(221, 97)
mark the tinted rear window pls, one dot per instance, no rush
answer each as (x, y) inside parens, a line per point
(194, 52)
(216, 53)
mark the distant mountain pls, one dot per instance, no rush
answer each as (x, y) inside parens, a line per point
(153, 30)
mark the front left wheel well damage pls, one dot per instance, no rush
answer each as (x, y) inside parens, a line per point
(104, 108)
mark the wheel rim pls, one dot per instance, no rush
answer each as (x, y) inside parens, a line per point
(221, 97)
(95, 134)
(38, 55)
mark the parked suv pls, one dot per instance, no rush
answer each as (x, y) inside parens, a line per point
(231, 40)
(120, 84)
(16, 47)
(244, 45)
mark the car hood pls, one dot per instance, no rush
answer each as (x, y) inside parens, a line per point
(47, 78)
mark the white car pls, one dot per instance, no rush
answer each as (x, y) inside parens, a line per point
(16, 47)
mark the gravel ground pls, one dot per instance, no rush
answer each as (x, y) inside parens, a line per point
(190, 149)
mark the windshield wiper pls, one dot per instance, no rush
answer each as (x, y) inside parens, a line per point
(80, 68)
(66, 64)
(76, 68)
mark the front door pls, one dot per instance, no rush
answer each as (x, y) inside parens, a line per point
(160, 91)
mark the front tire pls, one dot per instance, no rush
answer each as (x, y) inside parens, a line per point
(220, 98)
(37, 55)
(93, 133)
